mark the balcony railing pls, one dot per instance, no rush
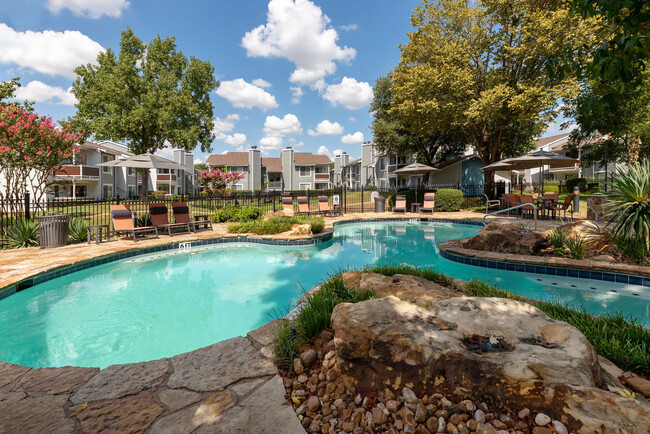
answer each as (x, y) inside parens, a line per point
(78, 171)
(166, 177)
(322, 176)
(274, 185)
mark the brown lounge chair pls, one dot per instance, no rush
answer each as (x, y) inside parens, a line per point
(400, 204)
(287, 204)
(324, 207)
(303, 205)
(158, 213)
(182, 215)
(429, 203)
(123, 222)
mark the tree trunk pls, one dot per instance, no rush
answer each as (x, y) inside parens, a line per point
(144, 191)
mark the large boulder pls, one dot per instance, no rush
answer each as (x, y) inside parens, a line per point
(504, 352)
(507, 238)
(598, 242)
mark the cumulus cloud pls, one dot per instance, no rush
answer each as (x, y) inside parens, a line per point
(296, 94)
(326, 128)
(297, 30)
(198, 161)
(47, 52)
(352, 119)
(276, 128)
(350, 93)
(38, 91)
(237, 139)
(246, 95)
(223, 126)
(89, 8)
(323, 150)
(352, 139)
(260, 82)
(349, 27)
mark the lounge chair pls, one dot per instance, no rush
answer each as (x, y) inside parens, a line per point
(287, 204)
(182, 215)
(324, 207)
(303, 205)
(122, 218)
(429, 203)
(489, 203)
(158, 213)
(400, 204)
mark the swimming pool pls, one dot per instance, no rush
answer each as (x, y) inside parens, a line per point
(162, 304)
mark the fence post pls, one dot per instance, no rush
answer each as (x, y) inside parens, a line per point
(344, 197)
(28, 215)
(117, 199)
(362, 192)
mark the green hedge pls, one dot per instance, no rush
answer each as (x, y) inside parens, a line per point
(573, 182)
(448, 200)
(276, 225)
(234, 213)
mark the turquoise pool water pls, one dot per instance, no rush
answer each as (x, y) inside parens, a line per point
(163, 304)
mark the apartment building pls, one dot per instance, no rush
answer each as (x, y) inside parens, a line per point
(81, 177)
(291, 171)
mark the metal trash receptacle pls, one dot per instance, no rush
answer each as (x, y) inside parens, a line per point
(53, 230)
(380, 204)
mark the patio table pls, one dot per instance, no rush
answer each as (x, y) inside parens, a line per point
(201, 217)
(101, 232)
(415, 207)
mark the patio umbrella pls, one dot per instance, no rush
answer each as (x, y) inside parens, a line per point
(144, 161)
(416, 169)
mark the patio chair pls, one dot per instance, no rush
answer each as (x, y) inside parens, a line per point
(400, 204)
(122, 218)
(287, 204)
(528, 209)
(429, 203)
(563, 206)
(158, 213)
(303, 205)
(182, 215)
(489, 203)
(324, 207)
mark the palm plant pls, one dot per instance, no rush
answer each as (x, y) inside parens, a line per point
(77, 232)
(24, 233)
(629, 200)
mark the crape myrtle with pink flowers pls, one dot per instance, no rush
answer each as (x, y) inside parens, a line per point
(218, 182)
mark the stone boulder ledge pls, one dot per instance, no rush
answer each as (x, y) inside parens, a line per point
(504, 352)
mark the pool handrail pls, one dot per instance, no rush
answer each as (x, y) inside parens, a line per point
(514, 207)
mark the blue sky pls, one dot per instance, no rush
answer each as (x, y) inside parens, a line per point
(293, 72)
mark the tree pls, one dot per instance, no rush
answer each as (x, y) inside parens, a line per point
(147, 96)
(8, 91)
(393, 135)
(219, 182)
(32, 148)
(481, 65)
(201, 167)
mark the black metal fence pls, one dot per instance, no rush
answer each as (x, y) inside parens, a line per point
(97, 211)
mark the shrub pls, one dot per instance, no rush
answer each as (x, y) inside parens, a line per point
(557, 238)
(448, 200)
(629, 214)
(143, 220)
(276, 225)
(576, 182)
(632, 249)
(317, 223)
(24, 233)
(620, 338)
(77, 231)
(157, 194)
(234, 213)
(426, 273)
(551, 187)
(285, 343)
(575, 247)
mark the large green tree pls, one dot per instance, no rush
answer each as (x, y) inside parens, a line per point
(8, 92)
(481, 65)
(146, 96)
(393, 135)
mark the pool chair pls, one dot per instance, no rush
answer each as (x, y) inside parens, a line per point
(489, 203)
(400, 204)
(303, 205)
(158, 213)
(182, 215)
(122, 218)
(324, 207)
(287, 204)
(429, 203)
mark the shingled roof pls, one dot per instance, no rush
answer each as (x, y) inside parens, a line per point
(546, 140)
(228, 159)
(309, 158)
(272, 164)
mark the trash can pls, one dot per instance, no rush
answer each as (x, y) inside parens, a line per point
(53, 230)
(380, 204)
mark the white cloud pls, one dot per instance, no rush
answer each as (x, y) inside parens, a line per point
(349, 27)
(260, 82)
(299, 144)
(326, 128)
(352, 119)
(353, 139)
(198, 161)
(323, 150)
(237, 139)
(47, 52)
(270, 143)
(555, 128)
(297, 30)
(40, 92)
(350, 93)
(89, 8)
(246, 95)
(223, 126)
(296, 94)
(288, 125)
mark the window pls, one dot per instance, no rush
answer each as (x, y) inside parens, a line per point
(129, 171)
(132, 191)
(393, 161)
(305, 171)
(382, 164)
(105, 159)
(163, 170)
(305, 186)
(107, 191)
